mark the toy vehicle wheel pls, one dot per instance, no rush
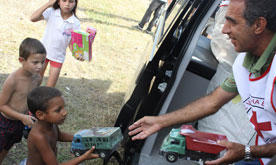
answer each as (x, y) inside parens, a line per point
(102, 155)
(171, 157)
(77, 154)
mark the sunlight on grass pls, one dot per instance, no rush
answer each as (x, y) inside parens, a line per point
(93, 91)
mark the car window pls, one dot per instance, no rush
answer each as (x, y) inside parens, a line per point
(172, 12)
(174, 141)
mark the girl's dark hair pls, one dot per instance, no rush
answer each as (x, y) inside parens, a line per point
(261, 8)
(56, 6)
(39, 97)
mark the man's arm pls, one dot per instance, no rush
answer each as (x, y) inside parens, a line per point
(198, 109)
(263, 151)
(236, 152)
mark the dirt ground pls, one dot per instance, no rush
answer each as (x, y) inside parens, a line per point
(93, 91)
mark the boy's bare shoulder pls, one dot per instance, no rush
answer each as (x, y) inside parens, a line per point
(39, 146)
(36, 135)
(19, 77)
(11, 79)
(14, 76)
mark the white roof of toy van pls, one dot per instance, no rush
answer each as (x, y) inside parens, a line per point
(98, 131)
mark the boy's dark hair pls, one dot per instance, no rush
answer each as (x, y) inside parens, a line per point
(261, 8)
(39, 97)
(56, 6)
(31, 46)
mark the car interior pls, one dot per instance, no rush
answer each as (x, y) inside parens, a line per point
(176, 71)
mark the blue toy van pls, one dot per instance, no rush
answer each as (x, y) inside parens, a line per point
(105, 139)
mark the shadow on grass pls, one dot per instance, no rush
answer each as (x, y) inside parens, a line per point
(88, 104)
(91, 20)
(108, 15)
(99, 21)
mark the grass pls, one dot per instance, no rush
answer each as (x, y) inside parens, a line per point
(93, 91)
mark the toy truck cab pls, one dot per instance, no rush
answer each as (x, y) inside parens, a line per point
(173, 146)
(105, 139)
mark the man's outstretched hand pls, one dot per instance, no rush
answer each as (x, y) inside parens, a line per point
(144, 127)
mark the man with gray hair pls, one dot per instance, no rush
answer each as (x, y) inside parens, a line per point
(251, 27)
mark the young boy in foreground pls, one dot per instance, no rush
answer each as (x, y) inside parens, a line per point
(47, 104)
(13, 97)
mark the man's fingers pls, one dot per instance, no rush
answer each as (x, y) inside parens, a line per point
(214, 162)
(219, 160)
(136, 124)
(139, 136)
(135, 131)
(223, 142)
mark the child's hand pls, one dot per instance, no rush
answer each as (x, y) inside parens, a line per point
(89, 154)
(80, 58)
(28, 120)
(51, 2)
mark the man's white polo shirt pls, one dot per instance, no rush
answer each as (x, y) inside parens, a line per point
(57, 34)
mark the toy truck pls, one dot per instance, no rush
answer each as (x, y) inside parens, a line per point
(105, 139)
(188, 143)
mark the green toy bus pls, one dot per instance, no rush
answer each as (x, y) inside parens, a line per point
(105, 139)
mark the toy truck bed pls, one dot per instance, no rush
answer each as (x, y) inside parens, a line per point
(202, 141)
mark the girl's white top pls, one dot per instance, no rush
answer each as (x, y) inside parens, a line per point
(224, 3)
(57, 34)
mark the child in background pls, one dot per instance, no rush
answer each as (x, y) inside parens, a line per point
(13, 97)
(61, 20)
(47, 104)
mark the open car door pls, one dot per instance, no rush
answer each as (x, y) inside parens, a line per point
(177, 72)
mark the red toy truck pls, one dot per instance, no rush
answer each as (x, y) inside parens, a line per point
(191, 144)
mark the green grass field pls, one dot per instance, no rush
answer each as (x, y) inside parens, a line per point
(93, 91)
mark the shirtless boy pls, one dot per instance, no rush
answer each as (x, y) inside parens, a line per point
(47, 104)
(13, 97)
